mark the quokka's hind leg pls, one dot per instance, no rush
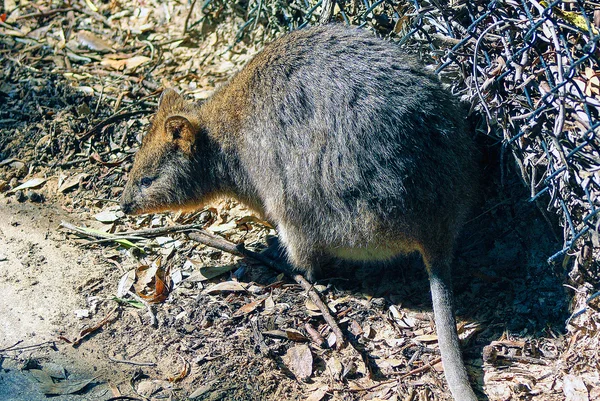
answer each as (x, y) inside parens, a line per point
(304, 255)
(440, 282)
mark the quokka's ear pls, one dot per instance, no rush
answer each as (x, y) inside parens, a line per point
(181, 131)
(168, 96)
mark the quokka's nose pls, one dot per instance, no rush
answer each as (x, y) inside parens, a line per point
(127, 207)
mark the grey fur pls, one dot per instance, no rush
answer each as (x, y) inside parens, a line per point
(345, 143)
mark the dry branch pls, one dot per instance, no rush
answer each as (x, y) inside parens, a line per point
(239, 250)
(44, 13)
(111, 120)
(327, 11)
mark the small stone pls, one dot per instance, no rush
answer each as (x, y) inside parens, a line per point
(20, 196)
(378, 303)
(81, 313)
(35, 197)
(13, 183)
(3, 186)
(19, 168)
(148, 388)
(3, 257)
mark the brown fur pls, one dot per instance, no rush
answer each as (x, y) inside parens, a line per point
(340, 140)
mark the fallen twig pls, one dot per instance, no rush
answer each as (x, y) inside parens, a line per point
(187, 18)
(422, 369)
(111, 120)
(44, 13)
(24, 347)
(94, 14)
(89, 330)
(131, 362)
(153, 232)
(138, 235)
(80, 230)
(123, 240)
(315, 336)
(229, 247)
(327, 7)
(114, 239)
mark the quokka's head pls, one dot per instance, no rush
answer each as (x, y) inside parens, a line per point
(164, 172)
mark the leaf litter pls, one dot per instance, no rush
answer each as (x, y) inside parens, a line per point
(72, 83)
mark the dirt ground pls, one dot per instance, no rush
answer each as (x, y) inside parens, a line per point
(229, 328)
(503, 295)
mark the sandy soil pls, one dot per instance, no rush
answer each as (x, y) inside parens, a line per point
(44, 280)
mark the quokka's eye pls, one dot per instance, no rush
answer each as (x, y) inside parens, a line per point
(146, 182)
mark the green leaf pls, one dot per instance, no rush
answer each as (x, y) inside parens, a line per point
(129, 302)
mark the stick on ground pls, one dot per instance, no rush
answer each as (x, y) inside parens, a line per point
(214, 241)
(229, 247)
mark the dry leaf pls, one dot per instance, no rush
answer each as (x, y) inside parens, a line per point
(389, 363)
(150, 283)
(402, 319)
(112, 315)
(295, 335)
(93, 42)
(335, 368)
(355, 328)
(126, 283)
(248, 308)
(299, 361)
(126, 64)
(311, 308)
(185, 370)
(310, 305)
(592, 83)
(10, 5)
(32, 183)
(109, 216)
(206, 272)
(426, 338)
(135, 62)
(49, 387)
(368, 331)
(72, 182)
(269, 305)
(144, 275)
(9, 161)
(232, 286)
(219, 228)
(331, 340)
(288, 334)
(575, 389)
(91, 5)
(275, 333)
(318, 394)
